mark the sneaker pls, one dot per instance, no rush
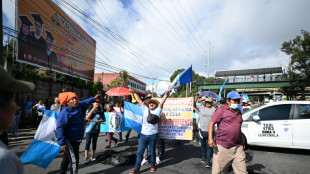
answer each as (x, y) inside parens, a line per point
(126, 139)
(153, 169)
(134, 171)
(203, 159)
(86, 160)
(144, 161)
(92, 158)
(115, 141)
(158, 160)
(208, 165)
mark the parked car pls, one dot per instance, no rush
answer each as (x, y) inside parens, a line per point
(279, 124)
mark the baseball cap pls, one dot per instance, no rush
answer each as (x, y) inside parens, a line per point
(233, 95)
(9, 84)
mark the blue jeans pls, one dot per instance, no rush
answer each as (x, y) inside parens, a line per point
(160, 148)
(15, 125)
(89, 137)
(205, 146)
(145, 140)
(120, 136)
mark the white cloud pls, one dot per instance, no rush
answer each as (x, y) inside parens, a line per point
(243, 34)
(159, 88)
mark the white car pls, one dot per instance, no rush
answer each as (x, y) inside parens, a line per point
(280, 124)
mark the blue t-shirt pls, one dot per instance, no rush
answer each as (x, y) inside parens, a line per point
(93, 127)
(147, 128)
(28, 105)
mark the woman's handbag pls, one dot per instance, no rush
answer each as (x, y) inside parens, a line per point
(152, 118)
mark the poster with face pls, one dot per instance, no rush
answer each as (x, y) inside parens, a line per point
(49, 39)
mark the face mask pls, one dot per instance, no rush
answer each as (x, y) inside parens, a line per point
(234, 106)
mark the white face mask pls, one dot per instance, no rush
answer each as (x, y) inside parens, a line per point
(234, 106)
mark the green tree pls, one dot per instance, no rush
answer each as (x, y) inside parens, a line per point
(120, 81)
(299, 67)
(97, 87)
(299, 50)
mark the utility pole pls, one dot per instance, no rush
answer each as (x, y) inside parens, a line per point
(209, 61)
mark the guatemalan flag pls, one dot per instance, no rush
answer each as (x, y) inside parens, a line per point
(182, 78)
(133, 116)
(114, 122)
(44, 147)
(244, 98)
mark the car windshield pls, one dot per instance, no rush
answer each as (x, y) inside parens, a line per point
(256, 106)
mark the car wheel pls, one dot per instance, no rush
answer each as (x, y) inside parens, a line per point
(244, 142)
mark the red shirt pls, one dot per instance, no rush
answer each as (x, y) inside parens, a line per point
(229, 127)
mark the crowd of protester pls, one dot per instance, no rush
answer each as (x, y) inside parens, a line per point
(217, 127)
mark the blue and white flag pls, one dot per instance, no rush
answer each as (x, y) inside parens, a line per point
(44, 148)
(133, 116)
(114, 122)
(244, 97)
(219, 96)
(182, 78)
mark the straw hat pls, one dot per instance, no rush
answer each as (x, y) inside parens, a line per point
(147, 102)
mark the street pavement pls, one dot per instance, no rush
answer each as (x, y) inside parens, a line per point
(180, 157)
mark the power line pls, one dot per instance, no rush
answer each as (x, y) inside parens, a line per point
(154, 28)
(89, 59)
(84, 19)
(164, 18)
(186, 26)
(118, 38)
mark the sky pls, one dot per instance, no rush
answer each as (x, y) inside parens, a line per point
(161, 36)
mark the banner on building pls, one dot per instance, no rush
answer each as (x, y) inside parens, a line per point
(176, 121)
(49, 39)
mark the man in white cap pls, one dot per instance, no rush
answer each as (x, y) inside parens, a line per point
(206, 112)
(9, 162)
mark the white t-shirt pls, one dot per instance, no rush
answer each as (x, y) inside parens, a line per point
(118, 109)
(40, 106)
(147, 128)
(40, 113)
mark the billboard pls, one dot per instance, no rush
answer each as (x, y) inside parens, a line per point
(176, 121)
(49, 39)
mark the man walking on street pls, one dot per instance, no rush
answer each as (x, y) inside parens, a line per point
(229, 146)
(70, 128)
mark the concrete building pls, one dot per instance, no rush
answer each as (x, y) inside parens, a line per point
(136, 84)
